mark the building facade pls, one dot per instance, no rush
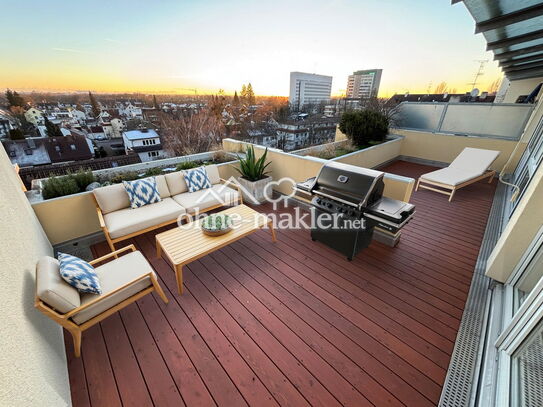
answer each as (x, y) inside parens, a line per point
(146, 143)
(307, 88)
(364, 84)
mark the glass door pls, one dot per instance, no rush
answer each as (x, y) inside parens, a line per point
(520, 345)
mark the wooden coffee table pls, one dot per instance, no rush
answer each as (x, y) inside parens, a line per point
(185, 244)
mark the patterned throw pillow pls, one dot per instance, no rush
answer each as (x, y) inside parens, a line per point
(142, 192)
(79, 274)
(197, 179)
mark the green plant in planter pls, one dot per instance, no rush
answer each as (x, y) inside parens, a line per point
(59, 186)
(83, 178)
(124, 176)
(251, 168)
(153, 171)
(364, 126)
(186, 165)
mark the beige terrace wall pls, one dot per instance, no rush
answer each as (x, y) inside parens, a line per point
(74, 216)
(445, 148)
(33, 370)
(301, 168)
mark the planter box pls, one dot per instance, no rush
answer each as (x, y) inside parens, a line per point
(253, 192)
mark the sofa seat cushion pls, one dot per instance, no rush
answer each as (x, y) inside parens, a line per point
(450, 176)
(127, 221)
(201, 200)
(114, 274)
(52, 289)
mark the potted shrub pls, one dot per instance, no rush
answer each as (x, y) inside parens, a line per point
(254, 178)
(364, 127)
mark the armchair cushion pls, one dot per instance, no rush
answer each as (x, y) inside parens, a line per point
(142, 192)
(127, 221)
(113, 275)
(79, 274)
(52, 289)
(197, 179)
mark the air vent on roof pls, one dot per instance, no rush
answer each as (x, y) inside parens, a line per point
(144, 130)
(31, 143)
(28, 151)
(12, 153)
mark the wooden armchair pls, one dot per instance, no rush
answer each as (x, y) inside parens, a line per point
(123, 280)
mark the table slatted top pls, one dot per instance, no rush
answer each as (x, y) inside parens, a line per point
(187, 243)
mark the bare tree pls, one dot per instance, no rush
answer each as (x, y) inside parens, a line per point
(441, 88)
(380, 105)
(494, 86)
(190, 134)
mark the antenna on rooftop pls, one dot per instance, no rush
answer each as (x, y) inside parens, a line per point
(480, 72)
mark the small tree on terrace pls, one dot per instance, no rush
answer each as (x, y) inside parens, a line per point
(364, 126)
(16, 134)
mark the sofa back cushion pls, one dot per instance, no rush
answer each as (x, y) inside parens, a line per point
(176, 183)
(197, 179)
(52, 289)
(162, 186)
(111, 198)
(142, 192)
(213, 174)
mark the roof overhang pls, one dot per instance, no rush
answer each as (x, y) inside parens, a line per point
(513, 30)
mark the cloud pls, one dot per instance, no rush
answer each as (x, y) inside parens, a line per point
(71, 50)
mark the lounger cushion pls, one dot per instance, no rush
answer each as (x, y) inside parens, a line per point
(176, 183)
(126, 221)
(52, 289)
(111, 198)
(449, 176)
(206, 198)
(474, 160)
(113, 275)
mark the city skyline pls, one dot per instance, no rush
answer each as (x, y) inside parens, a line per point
(176, 47)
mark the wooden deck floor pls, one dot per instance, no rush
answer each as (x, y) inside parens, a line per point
(294, 323)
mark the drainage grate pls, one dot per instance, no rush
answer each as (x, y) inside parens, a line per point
(463, 371)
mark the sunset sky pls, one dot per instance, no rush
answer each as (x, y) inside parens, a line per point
(174, 46)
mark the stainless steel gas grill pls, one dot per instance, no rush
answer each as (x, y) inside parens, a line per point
(348, 203)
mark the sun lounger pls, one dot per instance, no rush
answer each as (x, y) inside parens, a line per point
(470, 166)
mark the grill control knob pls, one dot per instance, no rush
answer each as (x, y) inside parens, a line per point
(318, 200)
(329, 204)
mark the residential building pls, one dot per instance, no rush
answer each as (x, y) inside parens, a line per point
(117, 127)
(296, 134)
(7, 123)
(129, 111)
(145, 142)
(28, 152)
(364, 84)
(34, 116)
(74, 147)
(308, 89)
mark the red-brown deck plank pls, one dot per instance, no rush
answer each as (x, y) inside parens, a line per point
(295, 323)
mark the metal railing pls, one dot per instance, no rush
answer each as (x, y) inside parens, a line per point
(494, 120)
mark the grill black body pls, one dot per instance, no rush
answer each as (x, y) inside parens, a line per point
(347, 203)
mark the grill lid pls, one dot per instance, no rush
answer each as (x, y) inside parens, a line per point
(356, 185)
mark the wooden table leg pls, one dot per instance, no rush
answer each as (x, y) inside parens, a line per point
(270, 225)
(179, 278)
(158, 250)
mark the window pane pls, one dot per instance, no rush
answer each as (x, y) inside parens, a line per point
(530, 277)
(528, 370)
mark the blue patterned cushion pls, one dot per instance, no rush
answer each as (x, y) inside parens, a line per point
(79, 274)
(142, 192)
(197, 179)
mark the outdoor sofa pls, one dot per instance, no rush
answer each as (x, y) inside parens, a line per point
(120, 222)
